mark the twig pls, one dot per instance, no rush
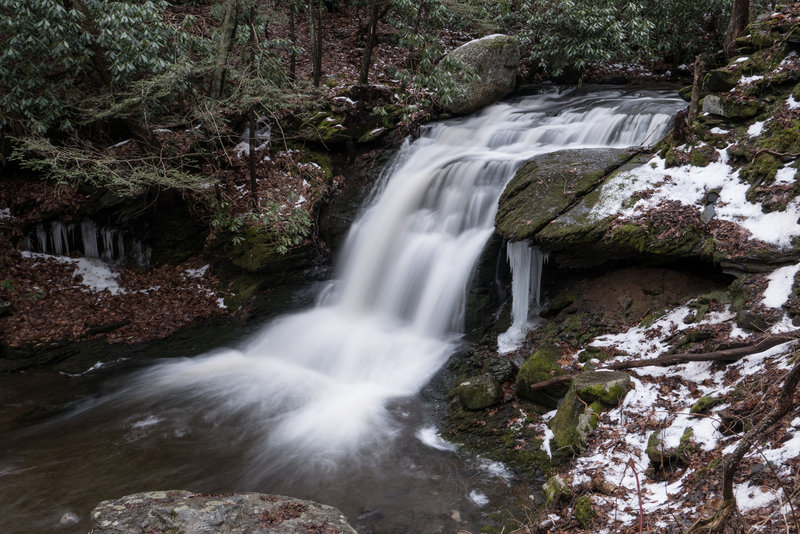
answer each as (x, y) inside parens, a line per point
(632, 465)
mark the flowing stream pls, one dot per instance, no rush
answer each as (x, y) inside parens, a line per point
(325, 403)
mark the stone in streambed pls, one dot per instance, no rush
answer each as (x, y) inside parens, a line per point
(183, 511)
(479, 392)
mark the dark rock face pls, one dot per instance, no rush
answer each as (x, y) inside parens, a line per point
(162, 512)
(495, 59)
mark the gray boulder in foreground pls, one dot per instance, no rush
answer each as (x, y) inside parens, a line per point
(184, 512)
(495, 59)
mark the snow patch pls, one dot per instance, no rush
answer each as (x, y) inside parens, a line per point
(752, 497)
(96, 275)
(780, 286)
(200, 272)
(755, 129)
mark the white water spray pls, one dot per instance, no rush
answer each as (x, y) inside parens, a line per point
(314, 389)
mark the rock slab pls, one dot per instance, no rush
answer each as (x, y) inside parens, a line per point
(161, 512)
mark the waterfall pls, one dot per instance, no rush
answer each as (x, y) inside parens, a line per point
(314, 390)
(526, 264)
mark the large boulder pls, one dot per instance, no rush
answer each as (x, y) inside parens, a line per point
(545, 186)
(183, 511)
(495, 60)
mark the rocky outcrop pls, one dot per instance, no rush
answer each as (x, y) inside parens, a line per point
(182, 511)
(547, 185)
(495, 61)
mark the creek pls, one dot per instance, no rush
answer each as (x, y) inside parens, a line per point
(324, 403)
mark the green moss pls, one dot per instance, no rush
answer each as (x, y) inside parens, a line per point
(556, 490)
(630, 236)
(540, 366)
(591, 353)
(568, 438)
(704, 404)
(606, 387)
(653, 449)
(760, 171)
(583, 511)
(702, 156)
(479, 392)
(547, 185)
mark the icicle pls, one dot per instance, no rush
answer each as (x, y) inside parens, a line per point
(89, 235)
(41, 236)
(526, 278)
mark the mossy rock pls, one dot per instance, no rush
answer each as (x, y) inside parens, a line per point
(253, 250)
(495, 60)
(479, 392)
(607, 387)
(556, 490)
(731, 108)
(662, 456)
(702, 156)
(591, 353)
(583, 511)
(555, 306)
(719, 81)
(704, 404)
(540, 366)
(545, 186)
(571, 426)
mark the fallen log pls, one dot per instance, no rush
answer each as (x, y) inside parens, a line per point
(727, 355)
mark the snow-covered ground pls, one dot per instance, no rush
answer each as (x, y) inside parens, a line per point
(660, 402)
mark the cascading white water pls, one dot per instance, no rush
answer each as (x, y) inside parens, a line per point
(526, 277)
(313, 389)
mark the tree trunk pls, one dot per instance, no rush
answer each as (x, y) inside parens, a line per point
(228, 33)
(293, 39)
(696, 88)
(366, 60)
(316, 54)
(740, 18)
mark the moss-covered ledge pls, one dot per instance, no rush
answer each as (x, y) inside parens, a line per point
(549, 184)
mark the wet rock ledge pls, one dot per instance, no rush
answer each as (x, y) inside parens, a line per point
(161, 512)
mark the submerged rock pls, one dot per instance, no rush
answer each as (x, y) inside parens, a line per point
(183, 511)
(495, 60)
